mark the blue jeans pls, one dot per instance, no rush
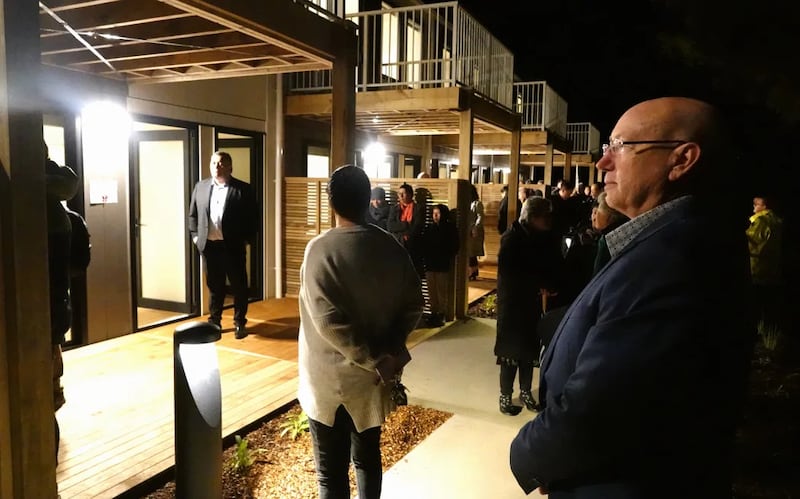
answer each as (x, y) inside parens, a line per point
(333, 448)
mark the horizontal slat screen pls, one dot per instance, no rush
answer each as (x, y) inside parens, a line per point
(307, 213)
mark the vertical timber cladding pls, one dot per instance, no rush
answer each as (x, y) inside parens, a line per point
(307, 214)
(491, 195)
(27, 460)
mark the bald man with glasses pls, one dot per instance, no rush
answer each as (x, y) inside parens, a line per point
(643, 381)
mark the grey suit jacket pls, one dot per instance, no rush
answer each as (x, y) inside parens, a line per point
(240, 217)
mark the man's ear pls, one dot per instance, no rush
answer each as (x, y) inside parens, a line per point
(683, 158)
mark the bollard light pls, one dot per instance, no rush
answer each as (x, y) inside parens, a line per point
(198, 412)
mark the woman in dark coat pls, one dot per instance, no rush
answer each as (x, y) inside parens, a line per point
(440, 245)
(527, 263)
(406, 222)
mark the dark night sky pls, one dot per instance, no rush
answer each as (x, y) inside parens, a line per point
(603, 57)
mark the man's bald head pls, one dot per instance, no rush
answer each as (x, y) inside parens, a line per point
(679, 118)
(691, 120)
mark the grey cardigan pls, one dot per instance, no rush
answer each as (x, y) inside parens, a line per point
(360, 297)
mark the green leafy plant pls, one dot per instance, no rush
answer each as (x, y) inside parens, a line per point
(242, 458)
(770, 335)
(295, 425)
(489, 304)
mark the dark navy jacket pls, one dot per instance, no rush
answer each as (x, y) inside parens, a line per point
(644, 379)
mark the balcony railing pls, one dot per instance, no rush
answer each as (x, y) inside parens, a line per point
(332, 10)
(584, 136)
(424, 46)
(541, 107)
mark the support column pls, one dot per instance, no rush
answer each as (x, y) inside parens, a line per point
(27, 461)
(465, 142)
(513, 180)
(401, 166)
(427, 154)
(567, 170)
(343, 113)
(462, 203)
(272, 211)
(548, 164)
(592, 174)
(568, 167)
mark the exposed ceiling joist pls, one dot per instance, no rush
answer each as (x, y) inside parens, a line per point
(177, 40)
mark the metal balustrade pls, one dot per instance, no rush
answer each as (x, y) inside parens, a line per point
(541, 107)
(584, 136)
(424, 46)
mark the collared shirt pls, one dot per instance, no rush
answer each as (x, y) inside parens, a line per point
(619, 238)
(216, 208)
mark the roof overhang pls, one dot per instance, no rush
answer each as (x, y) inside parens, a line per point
(178, 40)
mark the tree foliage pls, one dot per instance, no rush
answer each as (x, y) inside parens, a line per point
(748, 49)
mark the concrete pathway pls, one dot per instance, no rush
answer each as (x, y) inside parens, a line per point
(467, 457)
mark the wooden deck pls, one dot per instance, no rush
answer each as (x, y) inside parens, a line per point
(117, 426)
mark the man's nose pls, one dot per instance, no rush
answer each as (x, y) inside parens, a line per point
(604, 163)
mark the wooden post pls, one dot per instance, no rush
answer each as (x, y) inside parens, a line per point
(427, 154)
(27, 461)
(465, 142)
(461, 285)
(343, 118)
(513, 180)
(568, 168)
(548, 164)
(568, 165)
(592, 174)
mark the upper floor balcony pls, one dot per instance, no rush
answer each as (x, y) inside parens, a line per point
(585, 138)
(541, 107)
(424, 46)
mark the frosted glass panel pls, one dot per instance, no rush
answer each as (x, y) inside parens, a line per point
(163, 220)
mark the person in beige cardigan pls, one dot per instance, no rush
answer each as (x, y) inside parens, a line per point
(360, 297)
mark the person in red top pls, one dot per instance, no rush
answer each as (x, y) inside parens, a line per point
(406, 222)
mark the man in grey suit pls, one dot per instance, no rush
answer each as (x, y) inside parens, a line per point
(223, 219)
(643, 382)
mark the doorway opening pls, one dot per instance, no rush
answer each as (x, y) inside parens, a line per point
(163, 159)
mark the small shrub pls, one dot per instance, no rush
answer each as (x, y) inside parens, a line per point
(489, 304)
(770, 335)
(242, 459)
(295, 425)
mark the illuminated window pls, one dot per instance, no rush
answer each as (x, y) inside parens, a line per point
(390, 33)
(413, 54)
(318, 161)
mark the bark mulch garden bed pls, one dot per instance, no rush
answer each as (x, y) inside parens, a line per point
(283, 462)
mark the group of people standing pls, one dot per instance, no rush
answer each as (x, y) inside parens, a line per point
(432, 244)
(644, 374)
(545, 259)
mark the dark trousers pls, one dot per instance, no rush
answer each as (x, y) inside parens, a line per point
(333, 449)
(507, 374)
(223, 260)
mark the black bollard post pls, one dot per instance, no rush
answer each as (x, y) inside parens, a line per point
(198, 412)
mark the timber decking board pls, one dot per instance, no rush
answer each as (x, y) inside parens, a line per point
(117, 427)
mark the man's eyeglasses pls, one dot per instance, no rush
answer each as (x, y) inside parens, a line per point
(615, 145)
